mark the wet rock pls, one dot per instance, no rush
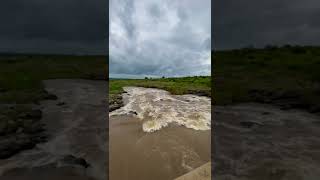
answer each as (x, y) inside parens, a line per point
(49, 96)
(3, 90)
(61, 103)
(20, 129)
(11, 145)
(133, 112)
(249, 124)
(72, 160)
(115, 102)
(33, 128)
(113, 107)
(34, 114)
(15, 143)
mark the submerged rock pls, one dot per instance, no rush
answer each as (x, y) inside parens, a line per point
(72, 160)
(249, 124)
(61, 103)
(33, 114)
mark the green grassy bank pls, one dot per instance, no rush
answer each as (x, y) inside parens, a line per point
(272, 74)
(200, 85)
(21, 75)
(21, 87)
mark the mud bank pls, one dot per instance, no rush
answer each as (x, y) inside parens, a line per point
(76, 124)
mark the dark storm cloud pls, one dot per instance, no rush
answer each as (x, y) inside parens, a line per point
(251, 22)
(46, 26)
(152, 37)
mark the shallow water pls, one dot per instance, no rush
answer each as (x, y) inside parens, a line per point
(179, 142)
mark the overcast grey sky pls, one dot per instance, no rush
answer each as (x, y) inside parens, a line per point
(162, 38)
(54, 26)
(239, 23)
(166, 30)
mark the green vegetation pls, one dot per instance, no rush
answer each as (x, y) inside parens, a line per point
(273, 72)
(21, 75)
(21, 85)
(200, 85)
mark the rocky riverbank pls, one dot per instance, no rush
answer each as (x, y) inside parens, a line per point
(73, 131)
(21, 128)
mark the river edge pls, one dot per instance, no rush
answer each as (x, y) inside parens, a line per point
(66, 153)
(251, 140)
(165, 153)
(277, 170)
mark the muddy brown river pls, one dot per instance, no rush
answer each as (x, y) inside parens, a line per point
(157, 135)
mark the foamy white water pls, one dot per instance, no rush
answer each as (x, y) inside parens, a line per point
(158, 108)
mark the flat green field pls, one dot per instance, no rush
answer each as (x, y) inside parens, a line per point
(194, 85)
(21, 75)
(200, 85)
(267, 75)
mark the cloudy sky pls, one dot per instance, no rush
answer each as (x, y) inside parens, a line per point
(54, 26)
(260, 22)
(153, 36)
(161, 38)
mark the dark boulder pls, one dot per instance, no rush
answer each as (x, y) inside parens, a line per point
(72, 160)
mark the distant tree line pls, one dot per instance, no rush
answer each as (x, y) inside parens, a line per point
(295, 49)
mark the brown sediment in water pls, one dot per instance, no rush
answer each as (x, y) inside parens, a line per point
(158, 136)
(164, 154)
